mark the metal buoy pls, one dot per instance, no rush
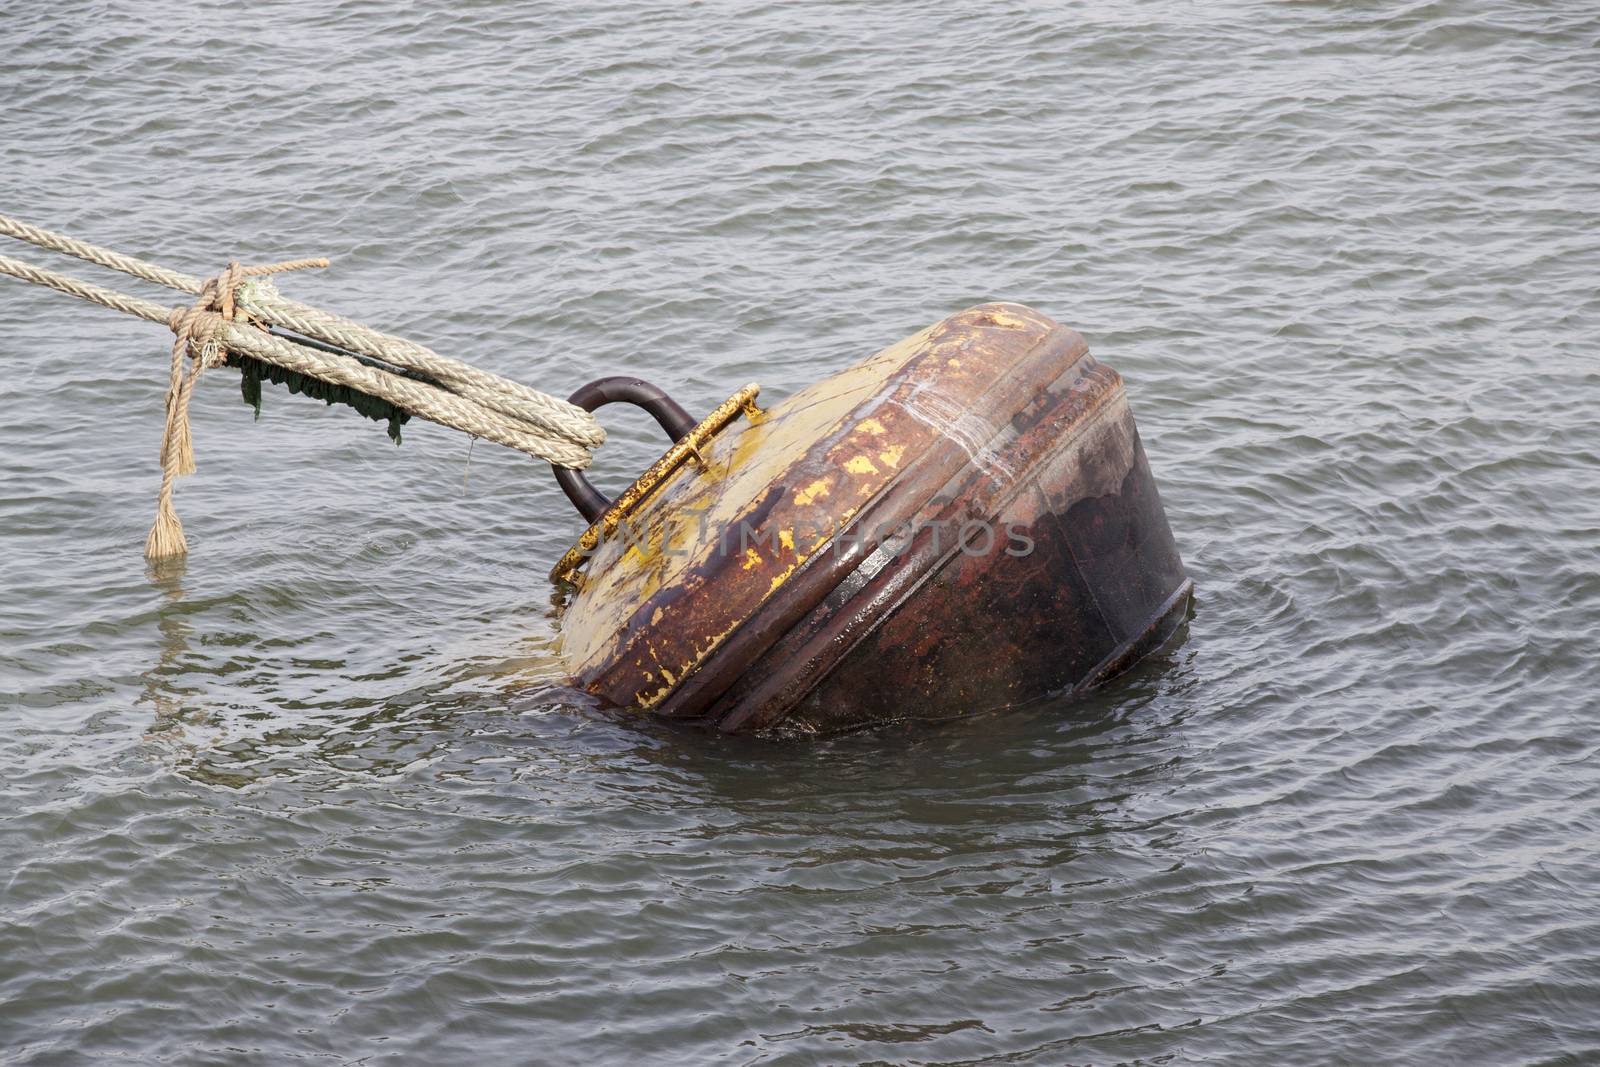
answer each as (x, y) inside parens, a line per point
(964, 521)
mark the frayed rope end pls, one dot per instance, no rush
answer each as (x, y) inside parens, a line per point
(166, 536)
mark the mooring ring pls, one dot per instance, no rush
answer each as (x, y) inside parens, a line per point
(620, 389)
(609, 514)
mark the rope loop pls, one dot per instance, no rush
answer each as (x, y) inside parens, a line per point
(195, 332)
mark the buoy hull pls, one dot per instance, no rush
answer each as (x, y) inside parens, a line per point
(967, 521)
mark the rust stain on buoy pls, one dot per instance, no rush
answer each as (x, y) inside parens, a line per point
(964, 521)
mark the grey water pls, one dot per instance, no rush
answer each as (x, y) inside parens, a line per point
(315, 797)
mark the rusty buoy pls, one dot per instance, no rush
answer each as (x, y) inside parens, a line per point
(962, 522)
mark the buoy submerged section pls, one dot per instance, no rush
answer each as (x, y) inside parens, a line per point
(962, 522)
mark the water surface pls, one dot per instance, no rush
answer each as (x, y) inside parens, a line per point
(310, 798)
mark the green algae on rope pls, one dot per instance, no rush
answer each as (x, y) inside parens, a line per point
(253, 371)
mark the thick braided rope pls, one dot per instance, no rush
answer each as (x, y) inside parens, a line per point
(105, 257)
(547, 413)
(419, 398)
(95, 294)
(482, 404)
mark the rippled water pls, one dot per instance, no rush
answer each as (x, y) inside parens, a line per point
(312, 798)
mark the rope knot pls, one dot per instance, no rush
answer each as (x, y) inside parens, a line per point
(196, 329)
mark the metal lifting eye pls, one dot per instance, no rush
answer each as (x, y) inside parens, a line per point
(589, 501)
(688, 439)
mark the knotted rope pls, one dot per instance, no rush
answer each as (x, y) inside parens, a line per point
(232, 313)
(194, 330)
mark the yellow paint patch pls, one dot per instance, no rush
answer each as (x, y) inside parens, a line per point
(811, 492)
(779, 580)
(860, 465)
(752, 559)
(650, 698)
(872, 426)
(1010, 322)
(891, 456)
(786, 539)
